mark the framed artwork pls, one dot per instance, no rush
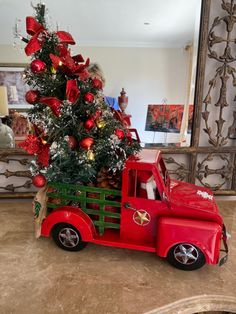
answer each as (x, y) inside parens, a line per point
(167, 118)
(11, 77)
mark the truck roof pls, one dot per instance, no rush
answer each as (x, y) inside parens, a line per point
(149, 156)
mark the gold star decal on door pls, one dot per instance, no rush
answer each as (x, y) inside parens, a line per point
(141, 217)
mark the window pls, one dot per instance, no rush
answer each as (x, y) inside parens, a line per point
(141, 184)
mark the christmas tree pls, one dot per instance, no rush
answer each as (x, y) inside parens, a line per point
(76, 137)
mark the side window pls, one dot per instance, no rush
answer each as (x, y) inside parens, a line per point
(142, 185)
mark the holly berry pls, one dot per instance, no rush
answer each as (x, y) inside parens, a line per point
(39, 180)
(88, 97)
(86, 143)
(37, 66)
(32, 96)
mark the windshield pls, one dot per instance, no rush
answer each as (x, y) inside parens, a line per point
(164, 173)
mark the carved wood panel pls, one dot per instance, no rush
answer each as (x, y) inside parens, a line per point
(212, 155)
(15, 177)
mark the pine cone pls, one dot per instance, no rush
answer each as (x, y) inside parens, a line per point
(106, 179)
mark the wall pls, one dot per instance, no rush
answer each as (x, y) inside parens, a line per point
(148, 75)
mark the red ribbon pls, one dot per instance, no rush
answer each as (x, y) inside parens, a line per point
(81, 71)
(78, 58)
(72, 91)
(33, 28)
(65, 38)
(43, 155)
(118, 116)
(56, 61)
(53, 103)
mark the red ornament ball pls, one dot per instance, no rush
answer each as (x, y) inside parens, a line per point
(37, 66)
(88, 97)
(120, 134)
(97, 83)
(89, 124)
(86, 143)
(32, 96)
(72, 141)
(39, 180)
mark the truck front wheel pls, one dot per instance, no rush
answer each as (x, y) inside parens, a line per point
(186, 256)
(67, 237)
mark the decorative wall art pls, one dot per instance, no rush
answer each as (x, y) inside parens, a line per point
(167, 118)
(11, 77)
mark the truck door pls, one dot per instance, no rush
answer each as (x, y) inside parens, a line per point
(141, 206)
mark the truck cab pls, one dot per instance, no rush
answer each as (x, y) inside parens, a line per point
(176, 220)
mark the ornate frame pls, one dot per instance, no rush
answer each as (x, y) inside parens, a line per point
(208, 148)
(193, 163)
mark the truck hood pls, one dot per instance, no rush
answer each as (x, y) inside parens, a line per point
(192, 196)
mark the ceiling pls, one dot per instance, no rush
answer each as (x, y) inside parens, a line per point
(111, 22)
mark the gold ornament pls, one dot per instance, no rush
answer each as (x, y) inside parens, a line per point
(44, 142)
(100, 123)
(141, 217)
(53, 70)
(90, 155)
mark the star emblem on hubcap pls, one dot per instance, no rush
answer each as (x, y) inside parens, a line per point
(141, 217)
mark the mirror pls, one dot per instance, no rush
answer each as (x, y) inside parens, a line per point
(149, 48)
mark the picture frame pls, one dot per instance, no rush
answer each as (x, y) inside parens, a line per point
(11, 77)
(167, 118)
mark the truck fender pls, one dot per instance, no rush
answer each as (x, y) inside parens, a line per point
(205, 235)
(73, 216)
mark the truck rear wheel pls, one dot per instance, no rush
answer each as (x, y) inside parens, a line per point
(67, 237)
(186, 256)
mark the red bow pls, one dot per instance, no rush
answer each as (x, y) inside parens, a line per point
(53, 103)
(33, 28)
(69, 65)
(72, 91)
(34, 146)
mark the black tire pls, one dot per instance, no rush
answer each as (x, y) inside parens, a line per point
(186, 256)
(68, 238)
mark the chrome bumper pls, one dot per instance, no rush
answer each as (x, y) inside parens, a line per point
(225, 236)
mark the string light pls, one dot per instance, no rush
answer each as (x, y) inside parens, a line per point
(90, 155)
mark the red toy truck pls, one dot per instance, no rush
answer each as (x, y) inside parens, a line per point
(153, 213)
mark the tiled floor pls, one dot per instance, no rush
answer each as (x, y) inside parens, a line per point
(36, 277)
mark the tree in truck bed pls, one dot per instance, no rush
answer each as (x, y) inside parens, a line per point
(76, 137)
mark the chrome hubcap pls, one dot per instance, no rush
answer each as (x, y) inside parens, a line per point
(186, 254)
(68, 237)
